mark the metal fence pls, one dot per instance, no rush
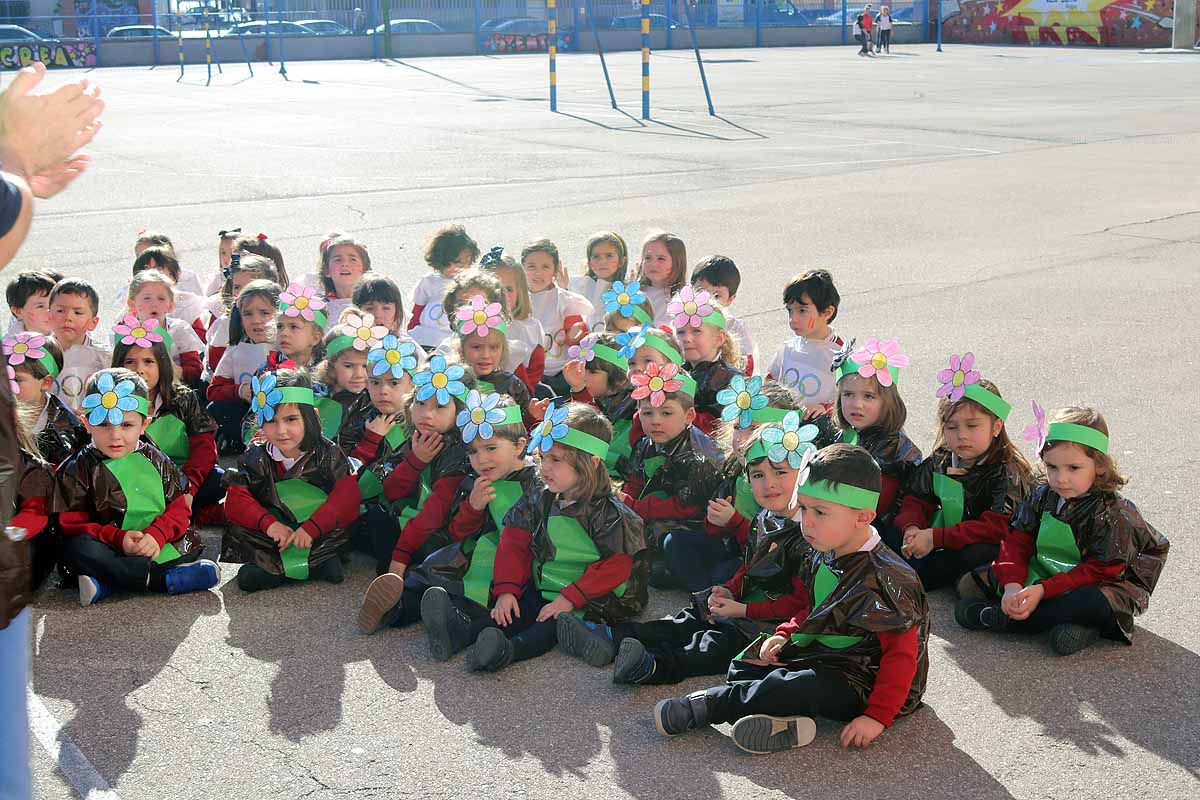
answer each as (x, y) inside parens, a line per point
(77, 39)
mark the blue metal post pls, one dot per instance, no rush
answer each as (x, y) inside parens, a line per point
(279, 36)
(154, 22)
(843, 21)
(96, 29)
(179, 22)
(374, 32)
(670, 19)
(600, 49)
(645, 59)
(267, 29)
(245, 55)
(758, 8)
(478, 22)
(552, 47)
(699, 61)
(939, 25)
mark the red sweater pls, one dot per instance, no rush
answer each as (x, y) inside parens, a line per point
(897, 668)
(1012, 566)
(738, 528)
(787, 607)
(990, 528)
(214, 356)
(168, 526)
(191, 366)
(430, 518)
(367, 449)
(339, 509)
(32, 515)
(223, 388)
(200, 330)
(649, 508)
(514, 567)
(532, 370)
(202, 457)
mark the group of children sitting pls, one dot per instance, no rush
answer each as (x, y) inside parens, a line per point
(523, 453)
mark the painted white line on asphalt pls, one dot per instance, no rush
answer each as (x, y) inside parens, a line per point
(74, 766)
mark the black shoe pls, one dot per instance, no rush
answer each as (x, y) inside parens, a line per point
(590, 642)
(979, 615)
(759, 733)
(330, 570)
(253, 578)
(681, 714)
(446, 626)
(660, 578)
(634, 664)
(1068, 639)
(492, 653)
(381, 605)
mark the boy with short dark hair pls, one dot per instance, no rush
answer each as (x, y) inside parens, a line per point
(804, 364)
(719, 276)
(28, 297)
(857, 653)
(74, 314)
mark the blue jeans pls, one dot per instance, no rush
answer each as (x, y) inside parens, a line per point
(696, 560)
(15, 780)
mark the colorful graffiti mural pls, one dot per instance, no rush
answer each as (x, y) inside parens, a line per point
(52, 54)
(1110, 23)
(525, 42)
(105, 14)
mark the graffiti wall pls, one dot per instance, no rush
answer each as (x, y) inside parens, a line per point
(1109, 23)
(525, 42)
(52, 54)
(107, 14)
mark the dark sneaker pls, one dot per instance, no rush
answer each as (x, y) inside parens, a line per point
(1067, 639)
(633, 664)
(253, 578)
(681, 714)
(979, 615)
(92, 591)
(195, 577)
(759, 733)
(493, 652)
(381, 604)
(590, 642)
(330, 570)
(446, 626)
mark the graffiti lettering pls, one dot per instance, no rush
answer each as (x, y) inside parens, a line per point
(526, 42)
(52, 54)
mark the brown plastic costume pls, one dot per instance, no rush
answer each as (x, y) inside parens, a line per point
(775, 553)
(86, 485)
(688, 468)
(994, 487)
(612, 527)
(63, 436)
(320, 468)
(16, 582)
(711, 377)
(876, 592)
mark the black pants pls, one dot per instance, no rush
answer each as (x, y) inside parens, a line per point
(885, 40)
(684, 647)
(376, 533)
(777, 691)
(697, 560)
(84, 555)
(211, 492)
(944, 567)
(1085, 606)
(229, 415)
(529, 637)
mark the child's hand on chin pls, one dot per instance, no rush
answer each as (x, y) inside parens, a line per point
(861, 731)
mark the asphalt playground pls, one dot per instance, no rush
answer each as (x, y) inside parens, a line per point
(1037, 206)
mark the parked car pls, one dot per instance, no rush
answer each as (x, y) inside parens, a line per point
(658, 22)
(409, 26)
(324, 27)
(139, 32)
(260, 29)
(525, 25)
(901, 16)
(15, 33)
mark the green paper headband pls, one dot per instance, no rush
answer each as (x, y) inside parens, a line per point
(716, 318)
(842, 494)
(319, 317)
(143, 405)
(338, 344)
(641, 316)
(1080, 434)
(757, 451)
(850, 367)
(992, 402)
(769, 414)
(512, 415)
(161, 330)
(296, 394)
(689, 384)
(585, 442)
(611, 356)
(663, 346)
(502, 327)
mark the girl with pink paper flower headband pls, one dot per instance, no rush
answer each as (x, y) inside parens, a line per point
(870, 413)
(344, 261)
(179, 427)
(300, 328)
(152, 296)
(34, 362)
(341, 388)
(251, 339)
(956, 504)
(526, 338)
(483, 346)
(710, 352)
(1078, 560)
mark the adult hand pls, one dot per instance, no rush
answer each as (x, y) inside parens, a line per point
(40, 132)
(50, 182)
